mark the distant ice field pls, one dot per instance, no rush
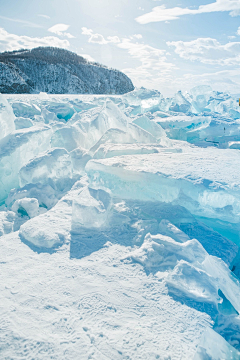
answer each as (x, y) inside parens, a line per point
(119, 226)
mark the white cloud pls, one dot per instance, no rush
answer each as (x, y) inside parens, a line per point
(87, 57)
(9, 42)
(238, 31)
(44, 16)
(154, 68)
(208, 51)
(20, 21)
(161, 13)
(113, 39)
(98, 38)
(60, 29)
(86, 31)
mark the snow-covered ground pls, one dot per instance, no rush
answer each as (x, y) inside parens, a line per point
(119, 226)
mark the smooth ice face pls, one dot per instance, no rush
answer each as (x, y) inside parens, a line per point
(6, 118)
(26, 110)
(16, 149)
(53, 167)
(153, 128)
(90, 209)
(22, 123)
(108, 150)
(194, 178)
(213, 346)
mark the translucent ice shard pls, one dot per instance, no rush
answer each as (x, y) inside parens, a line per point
(90, 209)
(6, 118)
(16, 150)
(194, 282)
(153, 128)
(53, 168)
(25, 109)
(22, 123)
(213, 346)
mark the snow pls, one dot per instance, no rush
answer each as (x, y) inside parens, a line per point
(119, 226)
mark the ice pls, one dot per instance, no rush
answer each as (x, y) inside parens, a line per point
(79, 157)
(162, 252)
(179, 103)
(52, 168)
(119, 226)
(153, 128)
(195, 178)
(91, 209)
(23, 109)
(22, 123)
(62, 111)
(50, 229)
(47, 197)
(6, 118)
(6, 222)
(26, 206)
(214, 347)
(193, 282)
(68, 137)
(16, 149)
(168, 229)
(107, 150)
(195, 273)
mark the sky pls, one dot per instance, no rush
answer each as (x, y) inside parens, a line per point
(168, 45)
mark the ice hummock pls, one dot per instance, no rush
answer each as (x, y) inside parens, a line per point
(120, 215)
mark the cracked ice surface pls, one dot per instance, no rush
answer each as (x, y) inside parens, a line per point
(119, 226)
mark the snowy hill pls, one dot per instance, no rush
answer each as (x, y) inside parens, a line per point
(57, 71)
(119, 226)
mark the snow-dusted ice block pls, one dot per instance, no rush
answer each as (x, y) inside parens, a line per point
(195, 273)
(168, 229)
(91, 209)
(28, 206)
(53, 227)
(6, 118)
(213, 347)
(6, 222)
(49, 229)
(205, 181)
(163, 252)
(47, 197)
(194, 282)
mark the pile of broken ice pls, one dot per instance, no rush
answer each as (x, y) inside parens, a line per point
(161, 174)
